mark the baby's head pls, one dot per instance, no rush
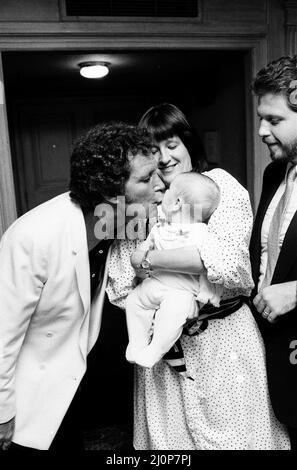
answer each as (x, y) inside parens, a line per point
(192, 197)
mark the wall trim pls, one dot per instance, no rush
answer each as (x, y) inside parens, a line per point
(290, 7)
(7, 193)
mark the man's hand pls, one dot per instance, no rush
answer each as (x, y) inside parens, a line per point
(6, 433)
(276, 300)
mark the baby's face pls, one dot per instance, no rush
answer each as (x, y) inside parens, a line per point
(169, 200)
(173, 204)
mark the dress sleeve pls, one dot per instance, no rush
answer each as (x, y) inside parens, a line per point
(225, 251)
(120, 272)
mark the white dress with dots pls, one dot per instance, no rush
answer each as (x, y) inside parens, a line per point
(227, 406)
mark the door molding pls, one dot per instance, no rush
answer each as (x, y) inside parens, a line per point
(8, 211)
(254, 44)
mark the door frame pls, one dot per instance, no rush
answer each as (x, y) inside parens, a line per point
(255, 45)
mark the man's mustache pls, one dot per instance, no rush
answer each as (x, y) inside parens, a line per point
(269, 143)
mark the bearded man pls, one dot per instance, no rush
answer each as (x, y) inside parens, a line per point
(273, 244)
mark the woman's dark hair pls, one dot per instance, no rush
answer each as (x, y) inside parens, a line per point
(100, 166)
(165, 120)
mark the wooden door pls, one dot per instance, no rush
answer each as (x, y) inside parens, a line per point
(43, 135)
(46, 139)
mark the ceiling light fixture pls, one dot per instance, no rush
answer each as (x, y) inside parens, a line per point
(94, 69)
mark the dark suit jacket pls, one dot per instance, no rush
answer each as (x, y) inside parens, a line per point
(282, 373)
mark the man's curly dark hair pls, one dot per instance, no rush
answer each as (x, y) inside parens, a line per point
(276, 78)
(99, 162)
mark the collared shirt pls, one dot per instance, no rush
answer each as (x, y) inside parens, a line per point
(97, 259)
(291, 209)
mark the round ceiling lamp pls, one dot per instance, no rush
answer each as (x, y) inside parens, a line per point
(94, 69)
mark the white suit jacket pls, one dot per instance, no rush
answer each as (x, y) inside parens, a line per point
(47, 325)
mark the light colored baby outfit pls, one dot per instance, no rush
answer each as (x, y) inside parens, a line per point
(163, 301)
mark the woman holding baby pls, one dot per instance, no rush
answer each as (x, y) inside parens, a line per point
(226, 405)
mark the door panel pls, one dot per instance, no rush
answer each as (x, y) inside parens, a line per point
(44, 134)
(47, 140)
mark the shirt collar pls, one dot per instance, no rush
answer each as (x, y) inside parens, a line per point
(289, 166)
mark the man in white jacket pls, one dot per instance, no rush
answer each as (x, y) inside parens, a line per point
(52, 283)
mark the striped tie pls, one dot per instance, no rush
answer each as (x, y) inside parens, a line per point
(273, 247)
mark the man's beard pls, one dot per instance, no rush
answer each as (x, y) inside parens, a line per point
(289, 153)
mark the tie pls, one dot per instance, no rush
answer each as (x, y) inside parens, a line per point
(275, 227)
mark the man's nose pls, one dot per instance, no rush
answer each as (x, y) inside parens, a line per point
(158, 184)
(264, 129)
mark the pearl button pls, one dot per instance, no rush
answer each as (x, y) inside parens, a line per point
(100, 252)
(93, 275)
(49, 335)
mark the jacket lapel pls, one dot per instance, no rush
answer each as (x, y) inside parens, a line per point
(97, 306)
(80, 250)
(273, 176)
(288, 253)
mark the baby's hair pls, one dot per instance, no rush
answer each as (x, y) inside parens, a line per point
(196, 189)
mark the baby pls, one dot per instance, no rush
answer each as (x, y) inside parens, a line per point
(187, 205)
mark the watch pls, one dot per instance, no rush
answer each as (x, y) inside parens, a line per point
(145, 262)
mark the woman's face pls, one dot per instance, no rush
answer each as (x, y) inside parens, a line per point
(172, 158)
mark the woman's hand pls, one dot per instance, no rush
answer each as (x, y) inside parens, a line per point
(137, 257)
(138, 254)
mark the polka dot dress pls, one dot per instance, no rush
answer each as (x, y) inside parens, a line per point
(227, 406)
